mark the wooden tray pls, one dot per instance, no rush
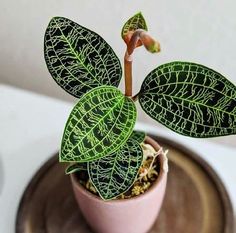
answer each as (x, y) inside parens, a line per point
(196, 200)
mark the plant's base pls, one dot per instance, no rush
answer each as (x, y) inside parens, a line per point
(148, 174)
(138, 188)
(48, 204)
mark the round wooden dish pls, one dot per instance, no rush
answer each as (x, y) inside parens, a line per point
(196, 200)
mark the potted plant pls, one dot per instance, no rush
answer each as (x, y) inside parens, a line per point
(118, 174)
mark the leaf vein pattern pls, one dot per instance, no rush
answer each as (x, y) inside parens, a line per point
(115, 173)
(190, 99)
(97, 127)
(79, 59)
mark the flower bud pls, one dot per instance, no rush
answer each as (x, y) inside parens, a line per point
(150, 44)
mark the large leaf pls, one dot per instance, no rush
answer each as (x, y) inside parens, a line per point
(99, 124)
(190, 99)
(134, 23)
(115, 173)
(79, 59)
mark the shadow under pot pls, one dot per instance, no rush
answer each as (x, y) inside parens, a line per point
(133, 215)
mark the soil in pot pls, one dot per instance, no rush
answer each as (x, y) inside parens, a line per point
(148, 173)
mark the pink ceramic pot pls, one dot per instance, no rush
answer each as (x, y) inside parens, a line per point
(134, 215)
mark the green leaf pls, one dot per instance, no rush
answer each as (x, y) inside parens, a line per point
(190, 99)
(116, 173)
(134, 23)
(76, 167)
(138, 136)
(99, 124)
(79, 59)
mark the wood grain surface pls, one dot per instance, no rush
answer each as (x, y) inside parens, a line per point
(195, 202)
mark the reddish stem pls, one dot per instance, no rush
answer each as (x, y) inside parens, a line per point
(128, 74)
(149, 43)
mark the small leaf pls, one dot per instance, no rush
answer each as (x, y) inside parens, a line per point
(134, 23)
(79, 59)
(116, 173)
(76, 167)
(99, 124)
(190, 99)
(138, 136)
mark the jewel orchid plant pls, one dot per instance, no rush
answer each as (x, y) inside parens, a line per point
(99, 135)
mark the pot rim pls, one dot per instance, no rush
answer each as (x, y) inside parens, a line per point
(163, 170)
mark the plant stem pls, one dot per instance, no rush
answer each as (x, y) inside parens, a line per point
(139, 37)
(128, 74)
(128, 59)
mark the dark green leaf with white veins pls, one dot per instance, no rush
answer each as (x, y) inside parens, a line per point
(190, 99)
(79, 59)
(99, 124)
(138, 136)
(116, 173)
(76, 167)
(134, 23)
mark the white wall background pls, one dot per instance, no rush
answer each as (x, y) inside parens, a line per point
(202, 31)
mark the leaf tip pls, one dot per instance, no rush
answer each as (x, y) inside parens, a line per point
(139, 13)
(67, 172)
